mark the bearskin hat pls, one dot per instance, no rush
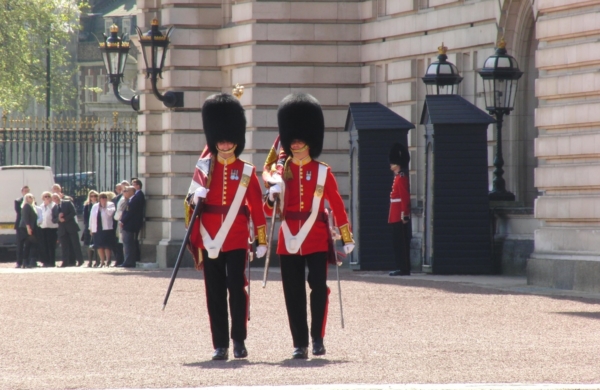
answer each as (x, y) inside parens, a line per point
(224, 120)
(300, 117)
(399, 155)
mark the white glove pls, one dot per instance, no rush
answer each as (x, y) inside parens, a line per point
(275, 179)
(200, 193)
(261, 250)
(274, 189)
(348, 248)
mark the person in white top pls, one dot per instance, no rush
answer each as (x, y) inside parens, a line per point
(101, 227)
(48, 231)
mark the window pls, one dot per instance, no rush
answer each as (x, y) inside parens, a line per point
(126, 24)
(89, 84)
(107, 23)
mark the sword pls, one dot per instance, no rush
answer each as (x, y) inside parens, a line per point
(336, 236)
(181, 252)
(251, 241)
(271, 229)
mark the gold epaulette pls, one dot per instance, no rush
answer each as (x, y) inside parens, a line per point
(246, 162)
(287, 172)
(322, 163)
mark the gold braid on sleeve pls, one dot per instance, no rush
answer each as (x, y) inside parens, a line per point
(262, 235)
(346, 234)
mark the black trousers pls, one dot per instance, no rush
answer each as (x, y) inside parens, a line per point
(401, 237)
(294, 290)
(48, 246)
(29, 245)
(223, 274)
(71, 248)
(21, 238)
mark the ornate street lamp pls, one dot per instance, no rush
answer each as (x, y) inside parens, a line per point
(154, 49)
(442, 77)
(500, 76)
(114, 52)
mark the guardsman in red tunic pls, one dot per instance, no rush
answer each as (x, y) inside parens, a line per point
(399, 216)
(304, 232)
(229, 193)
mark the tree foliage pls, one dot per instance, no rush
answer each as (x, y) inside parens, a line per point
(28, 31)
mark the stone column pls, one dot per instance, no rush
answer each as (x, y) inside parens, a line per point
(567, 246)
(171, 139)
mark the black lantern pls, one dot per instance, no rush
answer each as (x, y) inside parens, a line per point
(154, 49)
(114, 52)
(500, 76)
(442, 77)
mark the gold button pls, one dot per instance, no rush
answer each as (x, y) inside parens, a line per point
(224, 203)
(224, 192)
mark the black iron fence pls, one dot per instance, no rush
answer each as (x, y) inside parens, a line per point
(86, 154)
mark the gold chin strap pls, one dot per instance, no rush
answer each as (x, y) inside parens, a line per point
(302, 149)
(228, 150)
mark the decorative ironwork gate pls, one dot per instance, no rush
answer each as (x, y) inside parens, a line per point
(84, 155)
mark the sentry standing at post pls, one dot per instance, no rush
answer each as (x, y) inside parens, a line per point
(229, 193)
(399, 217)
(304, 236)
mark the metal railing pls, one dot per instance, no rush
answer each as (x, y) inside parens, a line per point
(84, 154)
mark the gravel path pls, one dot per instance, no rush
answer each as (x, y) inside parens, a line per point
(90, 328)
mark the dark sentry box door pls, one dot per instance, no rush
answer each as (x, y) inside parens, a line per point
(375, 185)
(461, 204)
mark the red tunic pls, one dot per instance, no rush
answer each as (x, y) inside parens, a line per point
(399, 198)
(299, 194)
(225, 180)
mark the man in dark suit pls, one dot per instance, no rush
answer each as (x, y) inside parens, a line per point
(20, 232)
(131, 223)
(68, 232)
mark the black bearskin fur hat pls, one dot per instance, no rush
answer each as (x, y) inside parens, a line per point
(300, 117)
(399, 155)
(224, 120)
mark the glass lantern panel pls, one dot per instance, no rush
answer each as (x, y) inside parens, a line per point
(160, 56)
(432, 68)
(122, 62)
(113, 62)
(148, 55)
(490, 62)
(500, 94)
(445, 69)
(105, 60)
(446, 89)
(504, 62)
(488, 92)
(511, 93)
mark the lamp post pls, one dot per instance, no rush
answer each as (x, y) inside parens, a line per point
(500, 76)
(154, 49)
(114, 52)
(442, 77)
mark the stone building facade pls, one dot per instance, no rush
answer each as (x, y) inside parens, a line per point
(377, 50)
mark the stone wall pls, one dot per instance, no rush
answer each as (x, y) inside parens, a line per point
(339, 51)
(568, 146)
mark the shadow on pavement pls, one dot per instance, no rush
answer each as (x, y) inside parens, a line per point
(237, 363)
(586, 314)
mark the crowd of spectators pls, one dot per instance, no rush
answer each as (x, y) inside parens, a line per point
(112, 222)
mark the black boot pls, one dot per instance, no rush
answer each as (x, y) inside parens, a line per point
(220, 354)
(318, 347)
(399, 273)
(300, 353)
(239, 350)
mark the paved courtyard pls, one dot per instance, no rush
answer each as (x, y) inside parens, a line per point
(104, 328)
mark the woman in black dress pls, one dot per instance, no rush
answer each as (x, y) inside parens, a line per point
(101, 227)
